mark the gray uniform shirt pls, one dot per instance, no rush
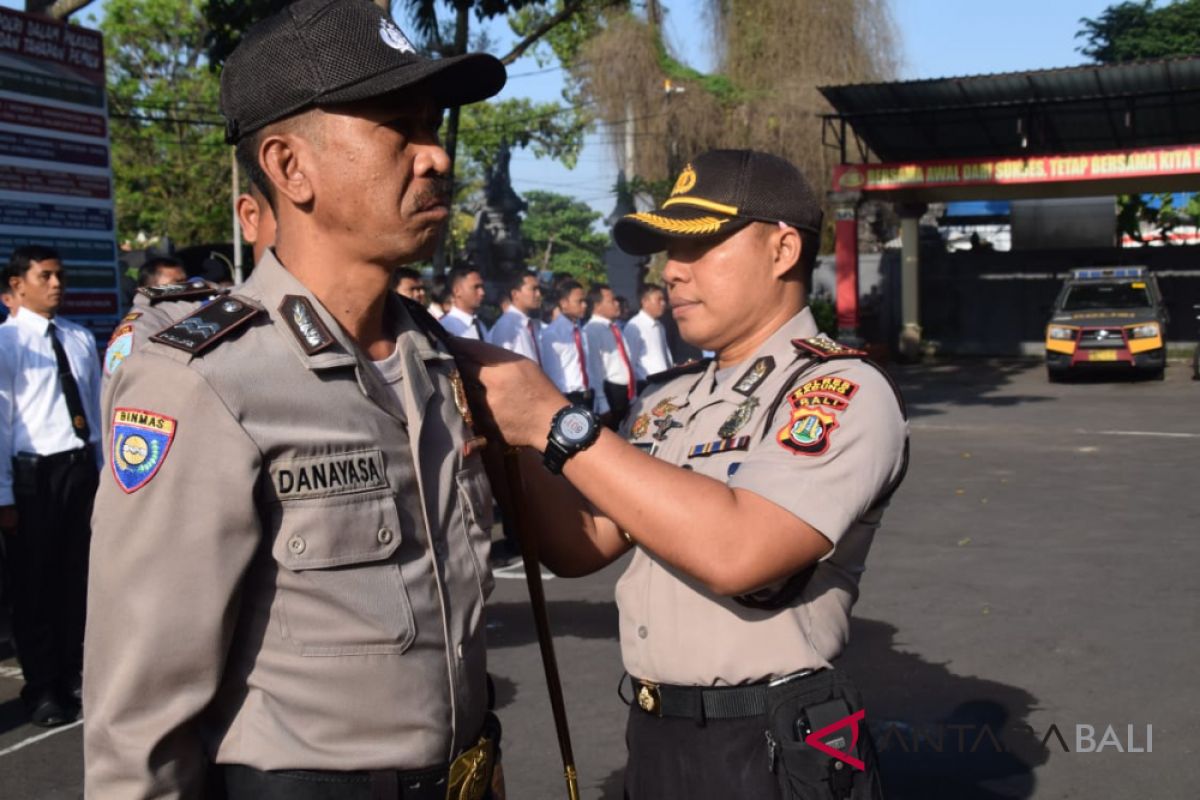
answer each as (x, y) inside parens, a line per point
(289, 558)
(830, 452)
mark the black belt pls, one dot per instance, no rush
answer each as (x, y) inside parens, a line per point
(247, 783)
(82, 455)
(707, 702)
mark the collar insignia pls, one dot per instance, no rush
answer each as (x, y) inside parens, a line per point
(754, 376)
(305, 325)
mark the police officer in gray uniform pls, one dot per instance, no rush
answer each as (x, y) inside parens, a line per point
(292, 528)
(749, 486)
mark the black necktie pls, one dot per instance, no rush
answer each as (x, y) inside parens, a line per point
(70, 389)
(478, 329)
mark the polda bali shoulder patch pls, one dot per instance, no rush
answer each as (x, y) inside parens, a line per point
(815, 407)
(808, 431)
(140, 443)
(119, 348)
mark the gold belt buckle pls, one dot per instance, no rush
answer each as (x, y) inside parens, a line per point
(471, 772)
(649, 698)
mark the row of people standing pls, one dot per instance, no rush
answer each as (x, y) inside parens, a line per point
(590, 355)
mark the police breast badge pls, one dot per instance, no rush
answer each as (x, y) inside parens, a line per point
(140, 442)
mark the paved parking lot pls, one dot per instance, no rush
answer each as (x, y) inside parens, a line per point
(1036, 574)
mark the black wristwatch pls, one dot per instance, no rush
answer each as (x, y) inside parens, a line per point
(574, 428)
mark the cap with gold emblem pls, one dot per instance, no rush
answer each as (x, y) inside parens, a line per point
(719, 193)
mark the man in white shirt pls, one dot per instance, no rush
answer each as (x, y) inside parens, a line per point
(517, 330)
(466, 296)
(646, 337)
(604, 338)
(566, 358)
(49, 464)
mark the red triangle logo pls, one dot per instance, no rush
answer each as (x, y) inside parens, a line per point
(814, 739)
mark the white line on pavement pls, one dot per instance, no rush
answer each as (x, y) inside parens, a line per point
(40, 736)
(1162, 434)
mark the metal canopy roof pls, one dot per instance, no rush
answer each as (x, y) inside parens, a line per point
(1075, 109)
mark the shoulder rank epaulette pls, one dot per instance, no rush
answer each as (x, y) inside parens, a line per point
(195, 289)
(695, 365)
(823, 349)
(214, 321)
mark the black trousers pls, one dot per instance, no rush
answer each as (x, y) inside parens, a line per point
(617, 395)
(720, 759)
(676, 757)
(47, 562)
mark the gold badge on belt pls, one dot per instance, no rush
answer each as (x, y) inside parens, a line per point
(471, 773)
(648, 698)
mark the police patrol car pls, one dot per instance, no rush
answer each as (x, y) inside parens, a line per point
(1107, 317)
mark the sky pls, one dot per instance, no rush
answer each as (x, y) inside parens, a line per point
(939, 38)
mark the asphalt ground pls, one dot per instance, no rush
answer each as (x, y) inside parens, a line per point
(1035, 574)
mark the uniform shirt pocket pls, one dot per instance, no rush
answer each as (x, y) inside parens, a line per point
(475, 504)
(340, 587)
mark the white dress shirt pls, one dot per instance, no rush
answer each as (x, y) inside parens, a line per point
(33, 411)
(602, 341)
(646, 339)
(513, 332)
(560, 361)
(460, 323)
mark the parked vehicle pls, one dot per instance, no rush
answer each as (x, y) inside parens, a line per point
(1107, 317)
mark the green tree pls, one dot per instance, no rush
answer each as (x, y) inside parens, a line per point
(170, 163)
(1132, 30)
(1127, 32)
(559, 236)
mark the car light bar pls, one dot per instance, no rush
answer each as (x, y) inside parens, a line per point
(1108, 272)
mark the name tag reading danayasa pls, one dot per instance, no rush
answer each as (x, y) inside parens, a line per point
(334, 474)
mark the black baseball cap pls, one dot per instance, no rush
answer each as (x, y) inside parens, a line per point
(719, 193)
(324, 52)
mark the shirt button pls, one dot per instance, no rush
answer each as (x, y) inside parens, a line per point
(459, 650)
(296, 545)
(642, 632)
(441, 550)
(385, 535)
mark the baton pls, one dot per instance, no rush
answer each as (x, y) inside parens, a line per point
(537, 602)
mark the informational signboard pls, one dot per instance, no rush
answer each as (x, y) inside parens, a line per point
(55, 168)
(1107, 166)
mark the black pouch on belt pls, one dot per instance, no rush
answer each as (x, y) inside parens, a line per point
(818, 745)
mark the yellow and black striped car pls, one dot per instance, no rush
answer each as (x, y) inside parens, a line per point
(1107, 317)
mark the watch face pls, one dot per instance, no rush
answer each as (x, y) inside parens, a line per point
(575, 426)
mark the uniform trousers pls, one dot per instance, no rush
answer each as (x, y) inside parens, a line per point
(47, 561)
(617, 395)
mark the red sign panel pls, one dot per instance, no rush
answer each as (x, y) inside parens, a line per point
(36, 115)
(46, 40)
(1150, 162)
(24, 179)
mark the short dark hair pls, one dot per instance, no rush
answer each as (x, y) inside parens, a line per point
(810, 248)
(565, 287)
(149, 269)
(596, 293)
(246, 152)
(648, 288)
(458, 274)
(23, 257)
(404, 272)
(516, 281)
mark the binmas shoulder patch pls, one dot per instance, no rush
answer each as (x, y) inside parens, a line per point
(140, 443)
(205, 327)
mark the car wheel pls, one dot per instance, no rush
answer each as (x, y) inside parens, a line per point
(1055, 376)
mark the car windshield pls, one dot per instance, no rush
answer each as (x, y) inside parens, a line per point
(1091, 296)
